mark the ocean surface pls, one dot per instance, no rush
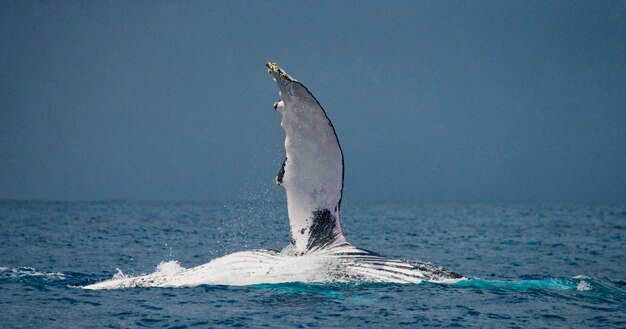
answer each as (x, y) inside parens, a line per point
(529, 266)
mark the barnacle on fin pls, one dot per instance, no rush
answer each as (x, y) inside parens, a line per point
(272, 67)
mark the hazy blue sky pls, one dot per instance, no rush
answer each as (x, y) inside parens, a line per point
(433, 101)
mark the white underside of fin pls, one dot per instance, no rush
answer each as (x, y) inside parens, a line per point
(313, 170)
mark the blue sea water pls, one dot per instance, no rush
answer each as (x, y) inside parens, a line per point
(530, 266)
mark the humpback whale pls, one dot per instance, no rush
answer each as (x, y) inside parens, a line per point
(312, 175)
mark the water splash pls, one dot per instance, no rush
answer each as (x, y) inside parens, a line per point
(20, 272)
(119, 274)
(583, 286)
(169, 267)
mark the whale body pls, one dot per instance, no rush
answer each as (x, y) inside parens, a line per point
(313, 176)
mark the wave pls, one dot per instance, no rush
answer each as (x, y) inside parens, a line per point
(573, 283)
(582, 285)
(608, 289)
(20, 272)
(42, 279)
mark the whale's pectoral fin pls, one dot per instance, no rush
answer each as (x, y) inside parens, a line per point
(313, 174)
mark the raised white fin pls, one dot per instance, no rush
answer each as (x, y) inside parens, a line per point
(312, 173)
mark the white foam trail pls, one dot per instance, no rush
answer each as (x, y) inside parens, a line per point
(29, 271)
(583, 286)
(448, 281)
